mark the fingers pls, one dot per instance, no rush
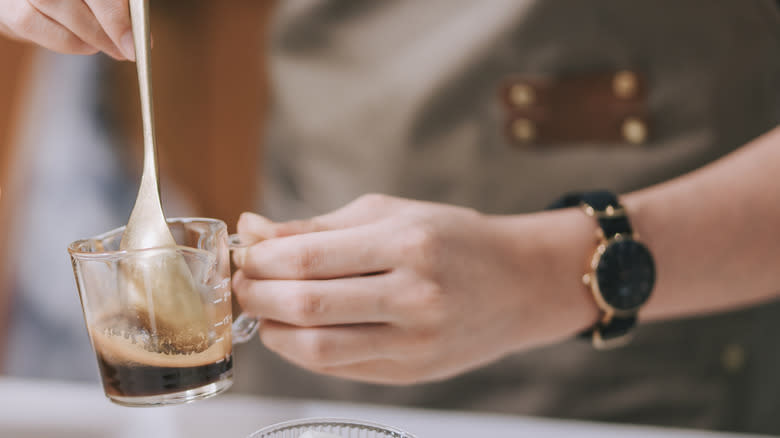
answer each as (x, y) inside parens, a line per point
(316, 302)
(78, 18)
(366, 352)
(27, 23)
(114, 17)
(261, 228)
(364, 210)
(320, 347)
(322, 255)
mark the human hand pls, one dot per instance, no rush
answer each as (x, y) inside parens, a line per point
(394, 291)
(71, 26)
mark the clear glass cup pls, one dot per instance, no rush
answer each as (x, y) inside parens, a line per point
(336, 426)
(157, 341)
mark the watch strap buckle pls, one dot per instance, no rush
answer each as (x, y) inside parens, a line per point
(613, 333)
(601, 343)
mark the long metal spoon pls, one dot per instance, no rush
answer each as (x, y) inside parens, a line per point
(159, 283)
(146, 227)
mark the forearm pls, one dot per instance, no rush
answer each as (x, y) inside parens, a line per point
(714, 234)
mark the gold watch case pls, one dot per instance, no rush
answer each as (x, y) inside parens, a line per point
(608, 311)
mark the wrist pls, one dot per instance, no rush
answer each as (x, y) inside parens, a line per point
(557, 245)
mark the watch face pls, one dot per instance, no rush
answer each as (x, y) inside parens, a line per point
(626, 274)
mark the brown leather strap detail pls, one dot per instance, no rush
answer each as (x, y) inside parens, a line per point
(604, 108)
(14, 57)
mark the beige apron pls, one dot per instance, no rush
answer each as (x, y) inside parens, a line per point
(404, 98)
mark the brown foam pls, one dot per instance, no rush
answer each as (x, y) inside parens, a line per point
(120, 350)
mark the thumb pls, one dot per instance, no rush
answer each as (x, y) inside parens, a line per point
(260, 228)
(366, 209)
(255, 226)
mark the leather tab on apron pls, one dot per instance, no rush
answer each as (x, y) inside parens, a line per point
(609, 108)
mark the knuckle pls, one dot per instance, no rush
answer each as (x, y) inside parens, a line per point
(430, 297)
(427, 327)
(42, 4)
(306, 262)
(430, 303)
(115, 18)
(306, 307)
(421, 245)
(22, 20)
(423, 305)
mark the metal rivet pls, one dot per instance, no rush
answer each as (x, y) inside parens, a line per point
(634, 130)
(523, 130)
(625, 84)
(521, 95)
(733, 358)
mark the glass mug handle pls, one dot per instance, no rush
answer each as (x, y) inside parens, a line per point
(245, 326)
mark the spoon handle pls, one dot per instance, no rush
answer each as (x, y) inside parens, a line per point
(139, 14)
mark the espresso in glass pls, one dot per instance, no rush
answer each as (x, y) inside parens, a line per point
(135, 363)
(161, 342)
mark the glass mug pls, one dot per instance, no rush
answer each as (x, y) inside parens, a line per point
(155, 346)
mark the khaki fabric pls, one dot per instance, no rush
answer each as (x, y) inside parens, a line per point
(402, 98)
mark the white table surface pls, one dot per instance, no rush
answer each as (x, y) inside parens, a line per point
(69, 410)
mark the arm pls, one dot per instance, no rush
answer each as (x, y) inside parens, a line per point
(450, 289)
(714, 234)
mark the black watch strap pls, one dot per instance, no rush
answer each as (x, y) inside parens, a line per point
(612, 220)
(617, 328)
(600, 201)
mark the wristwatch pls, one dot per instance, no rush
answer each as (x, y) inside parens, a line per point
(621, 272)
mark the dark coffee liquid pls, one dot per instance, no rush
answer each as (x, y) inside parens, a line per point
(135, 379)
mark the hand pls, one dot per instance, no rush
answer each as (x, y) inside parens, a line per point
(393, 291)
(71, 26)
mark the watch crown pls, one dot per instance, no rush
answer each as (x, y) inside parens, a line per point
(586, 279)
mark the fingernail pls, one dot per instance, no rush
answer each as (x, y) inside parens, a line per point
(127, 46)
(239, 255)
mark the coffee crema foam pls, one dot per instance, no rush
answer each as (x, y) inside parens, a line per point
(119, 349)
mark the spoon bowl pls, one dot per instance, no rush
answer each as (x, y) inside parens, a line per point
(160, 284)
